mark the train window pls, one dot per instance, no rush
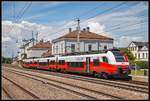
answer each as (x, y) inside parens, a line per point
(52, 62)
(43, 63)
(116, 53)
(118, 56)
(47, 61)
(96, 62)
(61, 62)
(120, 59)
(81, 64)
(75, 64)
(105, 59)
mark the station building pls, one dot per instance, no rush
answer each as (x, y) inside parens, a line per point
(89, 41)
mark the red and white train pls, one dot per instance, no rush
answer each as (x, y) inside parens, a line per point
(110, 64)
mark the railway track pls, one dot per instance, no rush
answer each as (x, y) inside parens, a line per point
(20, 87)
(137, 88)
(123, 85)
(7, 94)
(79, 75)
(69, 86)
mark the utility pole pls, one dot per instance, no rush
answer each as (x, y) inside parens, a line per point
(36, 37)
(32, 38)
(78, 35)
(12, 55)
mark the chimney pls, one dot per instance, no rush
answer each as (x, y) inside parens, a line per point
(48, 41)
(70, 30)
(84, 29)
(41, 41)
(88, 29)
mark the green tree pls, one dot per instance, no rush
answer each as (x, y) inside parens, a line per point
(129, 54)
(6, 60)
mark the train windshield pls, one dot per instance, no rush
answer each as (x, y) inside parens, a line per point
(118, 56)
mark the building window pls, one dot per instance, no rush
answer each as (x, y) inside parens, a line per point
(135, 55)
(143, 55)
(61, 48)
(56, 49)
(135, 48)
(139, 56)
(72, 47)
(105, 47)
(53, 49)
(90, 47)
(146, 55)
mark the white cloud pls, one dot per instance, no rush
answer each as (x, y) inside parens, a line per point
(6, 39)
(22, 30)
(96, 27)
(99, 24)
(124, 41)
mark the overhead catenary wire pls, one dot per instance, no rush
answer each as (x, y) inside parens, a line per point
(16, 17)
(108, 30)
(93, 16)
(19, 17)
(83, 14)
(133, 24)
(125, 34)
(116, 27)
(107, 10)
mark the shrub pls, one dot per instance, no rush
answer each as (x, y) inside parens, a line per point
(142, 64)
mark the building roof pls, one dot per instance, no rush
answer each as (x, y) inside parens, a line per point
(83, 35)
(42, 45)
(140, 43)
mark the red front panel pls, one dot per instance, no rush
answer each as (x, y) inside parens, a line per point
(103, 67)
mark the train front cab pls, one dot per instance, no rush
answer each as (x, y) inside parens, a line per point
(121, 64)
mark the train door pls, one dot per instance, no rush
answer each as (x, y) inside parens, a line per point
(87, 64)
(56, 63)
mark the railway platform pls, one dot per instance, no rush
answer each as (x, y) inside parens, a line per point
(140, 78)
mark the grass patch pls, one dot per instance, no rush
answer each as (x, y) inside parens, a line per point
(137, 72)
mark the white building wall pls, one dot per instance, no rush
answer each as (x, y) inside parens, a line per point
(68, 46)
(36, 52)
(143, 55)
(19, 55)
(109, 45)
(58, 47)
(83, 45)
(93, 44)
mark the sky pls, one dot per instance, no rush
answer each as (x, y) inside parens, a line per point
(124, 21)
